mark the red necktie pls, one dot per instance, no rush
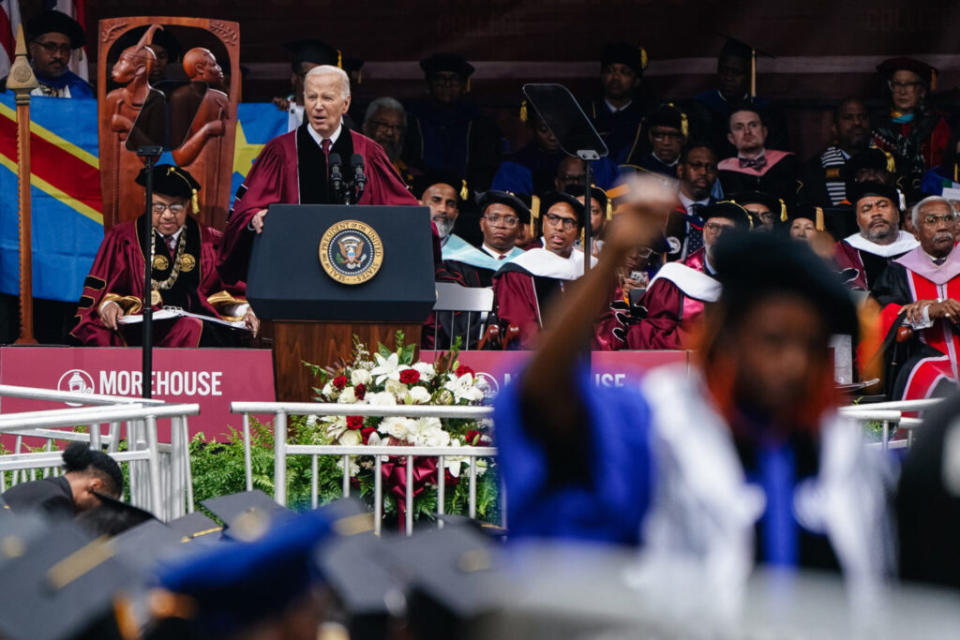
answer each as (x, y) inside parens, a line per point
(171, 244)
(502, 256)
(325, 145)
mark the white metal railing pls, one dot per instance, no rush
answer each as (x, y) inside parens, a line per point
(890, 415)
(147, 487)
(281, 410)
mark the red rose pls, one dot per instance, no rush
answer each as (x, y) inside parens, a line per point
(359, 391)
(366, 432)
(339, 382)
(354, 422)
(463, 370)
(476, 438)
(409, 376)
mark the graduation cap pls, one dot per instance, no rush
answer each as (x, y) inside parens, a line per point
(734, 48)
(354, 66)
(235, 584)
(112, 516)
(148, 544)
(314, 51)
(486, 528)
(63, 586)
(730, 210)
(161, 37)
(195, 526)
(51, 21)
(668, 115)
(751, 266)
(452, 580)
(446, 62)
(773, 204)
(429, 178)
(871, 158)
(553, 197)
(858, 190)
(362, 571)
(634, 56)
(596, 193)
(840, 221)
(16, 532)
(514, 201)
(248, 515)
(172, 181)
(810, 212)
(926, 72)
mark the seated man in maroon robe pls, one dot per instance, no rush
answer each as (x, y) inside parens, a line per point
(185, 276)
(524, 283)
(920, 296)
(291, 168)
(862, 257)
(668, 313)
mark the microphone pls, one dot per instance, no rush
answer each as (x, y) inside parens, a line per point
(359, 178)
(336, 176)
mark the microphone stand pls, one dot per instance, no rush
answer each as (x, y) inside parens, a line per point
(148, 153)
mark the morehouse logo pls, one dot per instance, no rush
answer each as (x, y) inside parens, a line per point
(76, 381)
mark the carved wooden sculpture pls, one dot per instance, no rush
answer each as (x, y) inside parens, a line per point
(201, 114)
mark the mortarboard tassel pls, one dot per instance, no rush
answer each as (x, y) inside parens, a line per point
(194, 201)
(818, 223)
(643, 58)
(955, 172)
(684, 125)
(783, 210)
(933, 79)
(609, 209)
(468, 85)
(534, 213)
(464, 192)
(891, 162)
(523, 111)
(339, 58)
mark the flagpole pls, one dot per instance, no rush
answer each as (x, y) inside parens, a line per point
(22, 81)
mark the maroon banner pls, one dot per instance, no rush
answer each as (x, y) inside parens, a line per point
(213, 378)
(609, 368)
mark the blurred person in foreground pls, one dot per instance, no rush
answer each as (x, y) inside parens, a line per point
(741, 458)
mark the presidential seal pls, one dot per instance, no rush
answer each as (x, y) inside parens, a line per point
(351, 252)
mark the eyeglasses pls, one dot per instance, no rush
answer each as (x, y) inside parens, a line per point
(380, 124)
(54, 47)
(555, 220)
(507, 221)
(935, 220)
(176, 208)
(714, 227)
(903, 85)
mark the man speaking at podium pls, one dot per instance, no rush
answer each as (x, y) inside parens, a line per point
(296, 168)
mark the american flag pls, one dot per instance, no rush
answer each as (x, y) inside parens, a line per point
(9, 21)
(76, 9)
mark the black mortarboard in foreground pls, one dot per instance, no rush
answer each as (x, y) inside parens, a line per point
(63, 586)
(248, 514)
(753, 266)
(313, 51)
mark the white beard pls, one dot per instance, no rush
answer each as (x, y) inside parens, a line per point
(444, 227)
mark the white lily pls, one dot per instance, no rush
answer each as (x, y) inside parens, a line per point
(426, 370)
(336, 428)
(463, 388)
(381, 398)
(387, 368)
(347, 396)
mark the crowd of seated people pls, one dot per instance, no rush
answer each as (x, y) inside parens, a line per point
(515, 220)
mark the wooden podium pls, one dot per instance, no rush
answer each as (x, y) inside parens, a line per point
(320, 274)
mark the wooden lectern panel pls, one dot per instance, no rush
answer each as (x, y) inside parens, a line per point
(322, 344)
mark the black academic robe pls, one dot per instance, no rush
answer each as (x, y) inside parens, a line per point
(651, 163)
(51, 496)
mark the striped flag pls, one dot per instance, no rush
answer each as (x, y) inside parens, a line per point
(9, 21)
